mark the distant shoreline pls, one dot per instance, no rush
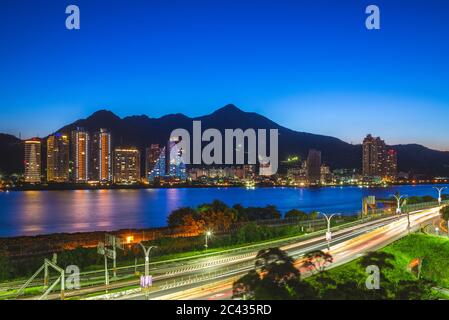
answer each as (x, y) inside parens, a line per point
(72, 187)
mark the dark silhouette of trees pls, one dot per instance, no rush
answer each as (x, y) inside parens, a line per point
(381, 259)
(177, 217)
(244, 288)
(445, 213)
(276, 265)
(316, 261)
(274, 270)
(298, 214)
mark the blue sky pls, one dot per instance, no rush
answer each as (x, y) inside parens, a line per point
(309, 65)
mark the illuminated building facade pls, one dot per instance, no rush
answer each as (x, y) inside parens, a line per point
(126, 165)
(377, 160)
(100, 156)
(314, 167)
(391, 164)
(33, 160)
(373, 156)
(80, 153)
(58, 148)
(175, 163)
(152, 155)
(159, 168)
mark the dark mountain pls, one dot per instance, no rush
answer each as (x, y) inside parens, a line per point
(419, 159)
(141, 131)
(12, 151)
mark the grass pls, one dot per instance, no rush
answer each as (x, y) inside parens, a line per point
(433, 250)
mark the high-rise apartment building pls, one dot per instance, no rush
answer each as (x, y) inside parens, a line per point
(373, 156)
(33, 160)
(176, 167)
(80, 155)
(126, 165)
(58, 158)
(159, 168)
(151, 157)
(391, 164)
(377, 160)
(314, 167)
(100, 162)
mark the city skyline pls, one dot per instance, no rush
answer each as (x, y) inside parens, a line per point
(320, 62)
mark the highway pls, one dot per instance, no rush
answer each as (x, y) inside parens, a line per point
(346, 245)
(211, 276)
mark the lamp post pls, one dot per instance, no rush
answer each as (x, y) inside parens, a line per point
(440, 190)
(398, 201)
(146, 251)
(146, 280)
(207, 235)
(328, 232)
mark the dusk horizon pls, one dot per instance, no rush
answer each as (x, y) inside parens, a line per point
(359, 142)
(312, 63)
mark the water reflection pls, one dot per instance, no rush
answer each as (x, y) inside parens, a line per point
(37, 212)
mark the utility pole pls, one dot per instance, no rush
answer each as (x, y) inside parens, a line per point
(102, 249)
(440, 190)
(328, 232)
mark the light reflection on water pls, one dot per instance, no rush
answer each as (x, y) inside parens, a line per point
(40, 212)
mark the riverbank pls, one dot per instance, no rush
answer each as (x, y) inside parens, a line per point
(177, 185)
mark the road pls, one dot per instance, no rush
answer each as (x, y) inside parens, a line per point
(346, 245)
(211, 276)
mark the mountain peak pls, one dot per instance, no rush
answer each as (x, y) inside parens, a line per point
(103, 114)
(229, 108)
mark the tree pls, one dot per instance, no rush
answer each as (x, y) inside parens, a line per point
(381, 259)
(445, 213)
(414, 290)
(274, 271)
(245, 287)
(176, 217)
(298, 214)
(5, 268)
(217, 216)
(316, 261)
(313, 215)
(276, 265)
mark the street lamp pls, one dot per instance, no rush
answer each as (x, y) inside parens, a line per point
(328, 232)
(440, 190)
(207, 235)
(146, 251)
(146, 280)
(398, 201)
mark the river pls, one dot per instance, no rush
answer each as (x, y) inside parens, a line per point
(43, 212)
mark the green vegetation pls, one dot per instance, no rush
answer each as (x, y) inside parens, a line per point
(445, 213)
(418, 199)
(398, 264)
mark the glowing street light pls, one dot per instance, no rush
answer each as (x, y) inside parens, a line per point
(207, 235)
(400, 200)
(440, 190)
(328, 232)
(146, 251)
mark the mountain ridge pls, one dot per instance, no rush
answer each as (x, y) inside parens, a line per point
(141, 131)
